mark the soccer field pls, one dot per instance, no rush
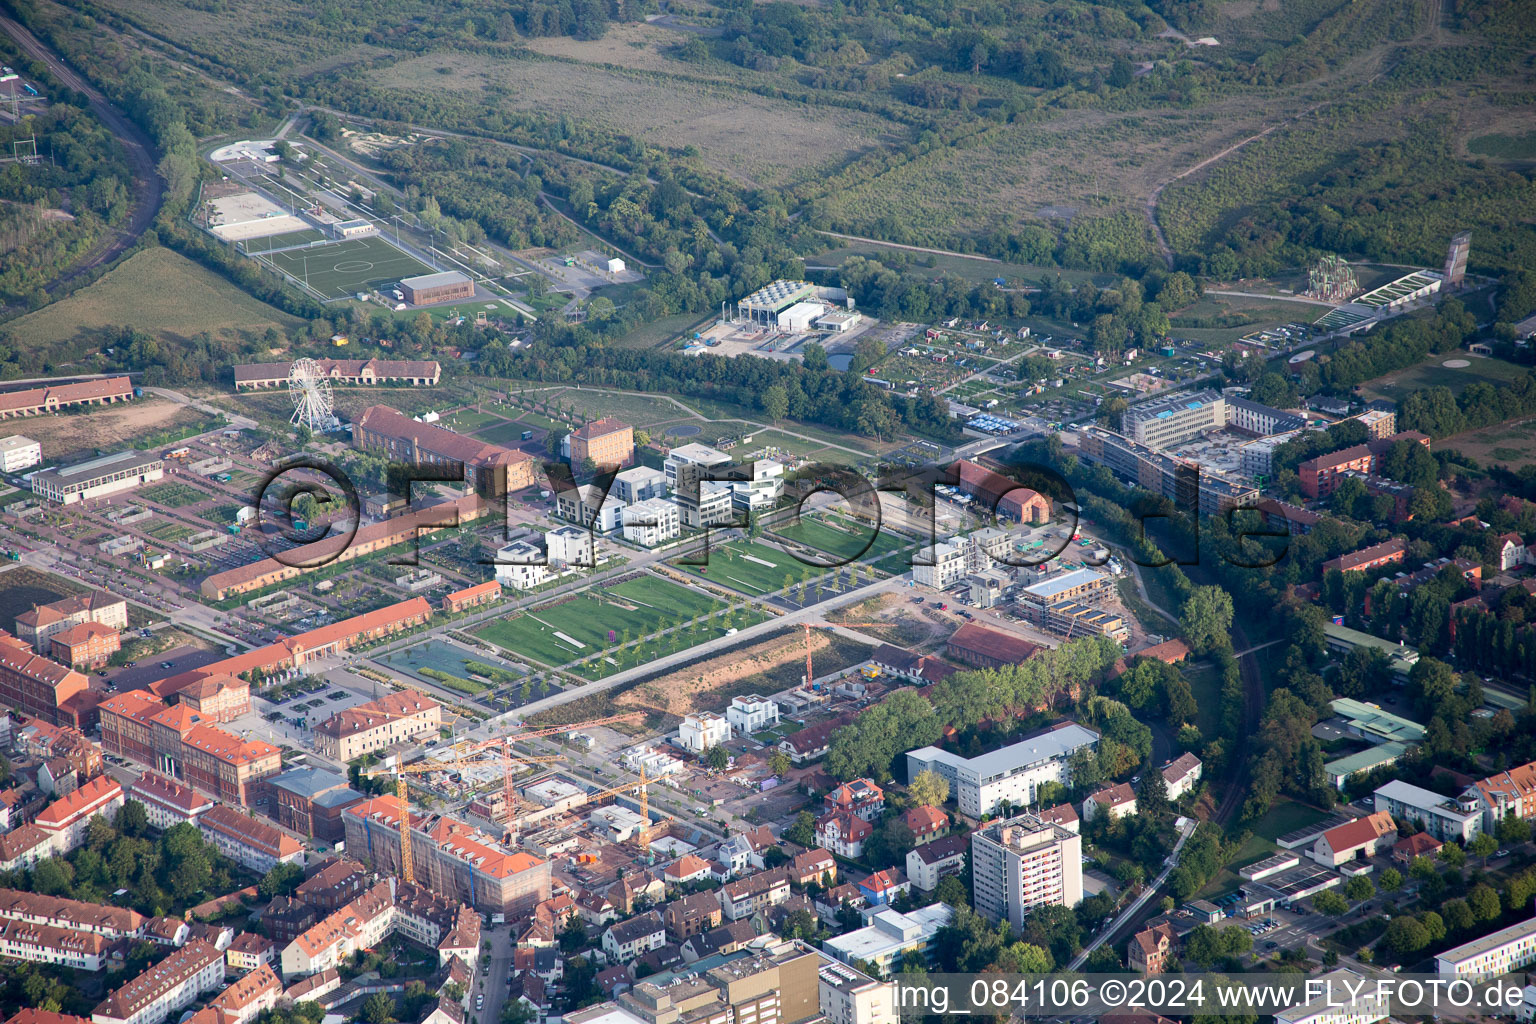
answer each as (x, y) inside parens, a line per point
(345, 268)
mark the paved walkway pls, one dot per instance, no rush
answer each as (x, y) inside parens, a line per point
(1130, 912)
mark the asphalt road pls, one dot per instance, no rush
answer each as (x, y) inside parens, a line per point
(147, 186)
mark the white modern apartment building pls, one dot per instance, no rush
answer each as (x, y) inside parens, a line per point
(1508, 949)
(704, 730)
(521, 566)
(18, 453)
(1013, 773)
(763, 491)
(941, 565)
(684, 458)
(571, 545)
(1441, 816)
(752, 714)
(165, 987)
(889, 935)
(651, 522)
(639, 483)
(849, 996)
(1023, 863)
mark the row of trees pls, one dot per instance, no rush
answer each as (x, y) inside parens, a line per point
(871, 744)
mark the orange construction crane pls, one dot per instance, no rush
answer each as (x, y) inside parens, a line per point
(808, 626)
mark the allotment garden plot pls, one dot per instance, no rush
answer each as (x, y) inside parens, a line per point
(342, 269)
(599, 631)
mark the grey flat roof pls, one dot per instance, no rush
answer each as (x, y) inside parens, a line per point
(1050, 744)
(435, 280)
(1066, 581)
(1468, 950)
(117, 462)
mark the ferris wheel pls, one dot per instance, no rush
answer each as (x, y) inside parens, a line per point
(311, 391)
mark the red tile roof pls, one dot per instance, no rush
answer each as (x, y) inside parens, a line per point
(925, 820)
(246, 830)
(157, 980)
(992, 643)
(380, 711)
(600, 428)
(87, 800)
(440, 441)
(1357, 833)
(65, 394)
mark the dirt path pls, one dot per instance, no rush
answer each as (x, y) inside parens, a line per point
(147, 186)
(911, 248)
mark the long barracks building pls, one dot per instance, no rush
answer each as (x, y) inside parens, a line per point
(368, 540)
(414, 373)
(489, 468)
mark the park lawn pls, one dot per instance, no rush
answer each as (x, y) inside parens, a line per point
(732, 565)
(1431, 373)
(155, 291)
(847, 540)
(1285, 816)
(588, 618)
(659, 332)
(466, 421)
(1205, 683)
(505, 433)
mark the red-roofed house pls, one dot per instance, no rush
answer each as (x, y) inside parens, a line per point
(399, 717)
(843, 833)
(247, 841)
(471, 597)
(459, 861)
(689, 868)
(817, 866)
(981, 647)
(140, 728)
(86, 645)
(926, 822)
(1116, 800)
(861, 797)
(882, 887)
(489, 468)
(1150, 950)
(248, 951)
(35, 686)
(67, 818)
(1420, 844)
(1012, 501)
(1511, 551)
(1357, 839)
(607, 442)
(245, 999)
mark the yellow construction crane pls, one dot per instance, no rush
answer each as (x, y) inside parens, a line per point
(508, 761)
(400, 771)
(645, 804)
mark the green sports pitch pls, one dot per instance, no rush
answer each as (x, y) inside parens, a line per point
(341, 269)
